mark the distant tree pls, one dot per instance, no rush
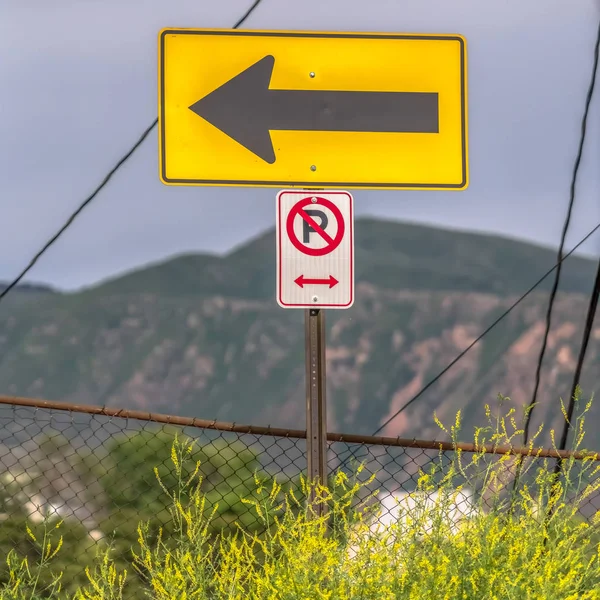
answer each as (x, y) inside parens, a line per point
(227, 470)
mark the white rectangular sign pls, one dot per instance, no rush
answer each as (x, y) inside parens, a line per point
(315, 249)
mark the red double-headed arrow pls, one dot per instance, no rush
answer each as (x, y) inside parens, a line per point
(331, 281)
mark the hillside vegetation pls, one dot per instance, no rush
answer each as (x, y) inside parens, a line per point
(201, 335)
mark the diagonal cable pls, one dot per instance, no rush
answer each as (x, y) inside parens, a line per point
(560, 257)
(478, 339)
(589, 324)
(106, 179)
(552, 298)
(538, 371)
(72, 218)
(486, 331)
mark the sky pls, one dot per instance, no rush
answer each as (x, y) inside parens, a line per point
(79, 85)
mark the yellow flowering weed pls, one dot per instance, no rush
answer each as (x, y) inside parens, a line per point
(524, 553)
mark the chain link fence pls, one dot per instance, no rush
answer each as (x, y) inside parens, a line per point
(94, 469)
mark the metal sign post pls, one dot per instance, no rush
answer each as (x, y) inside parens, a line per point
(315, 270)
(316, 412)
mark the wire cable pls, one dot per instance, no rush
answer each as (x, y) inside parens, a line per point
(247, 14)
(589, 324)
(538, 371)
(478, 339)
(552, 298)
(487, 330)
(587, 332)
(106, 179)
(70, 220)
(560, 257)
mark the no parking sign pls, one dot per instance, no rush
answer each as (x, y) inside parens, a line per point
(315, 249)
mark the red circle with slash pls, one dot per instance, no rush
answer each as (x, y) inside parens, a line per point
(298, 210)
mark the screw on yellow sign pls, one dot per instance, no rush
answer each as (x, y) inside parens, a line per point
(312, 109)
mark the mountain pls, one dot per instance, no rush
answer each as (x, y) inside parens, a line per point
(389, 255)
(202, 335)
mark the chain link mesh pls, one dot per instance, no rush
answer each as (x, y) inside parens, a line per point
(481, 480)
(95, 472)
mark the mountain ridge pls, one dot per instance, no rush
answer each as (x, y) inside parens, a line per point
(199, 335)
(249, 268)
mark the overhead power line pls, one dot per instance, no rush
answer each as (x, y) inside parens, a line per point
(352, 453)
(538, 371)
(557, 266)
(589, 324)
(106, 179)
(587, 331)
(247, 14)
(486, 331)
(70, 220)
(588, 101)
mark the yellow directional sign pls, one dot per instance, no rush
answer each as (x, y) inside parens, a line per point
(312, 109)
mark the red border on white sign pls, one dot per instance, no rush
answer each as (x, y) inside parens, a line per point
(281, 229)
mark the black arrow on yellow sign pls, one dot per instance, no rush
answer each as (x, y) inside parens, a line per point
(246, 109)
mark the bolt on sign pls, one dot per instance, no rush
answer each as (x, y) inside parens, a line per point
(312, 109)
(315, 249)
